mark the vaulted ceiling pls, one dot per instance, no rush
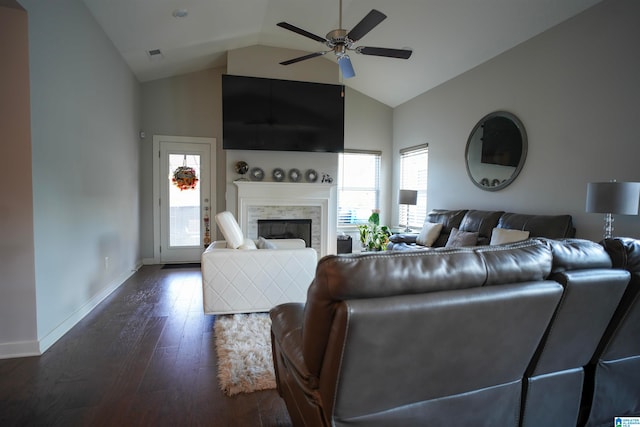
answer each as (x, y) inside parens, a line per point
(448, 37)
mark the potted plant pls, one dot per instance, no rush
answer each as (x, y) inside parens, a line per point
(373, 236)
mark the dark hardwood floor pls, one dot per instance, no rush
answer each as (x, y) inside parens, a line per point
(144, 357)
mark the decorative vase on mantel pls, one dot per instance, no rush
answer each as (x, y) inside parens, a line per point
(373, 236)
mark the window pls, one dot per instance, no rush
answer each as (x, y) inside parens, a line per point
(358, 186)
(413, 176)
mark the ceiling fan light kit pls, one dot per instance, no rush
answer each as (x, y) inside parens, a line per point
(340, 41)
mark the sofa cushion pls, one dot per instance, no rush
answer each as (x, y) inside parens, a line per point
(481, 221)
(230, 229)
(459, 238)
(449, 219)
(248, 244)
(265, 244)
(429, 233)
(500, 236)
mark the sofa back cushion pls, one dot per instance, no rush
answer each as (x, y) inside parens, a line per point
(230, 229)
(550, 226)
(449, 219)
(577, 254)
(380, 275)
(437, 351)
(481, 222)
(622, 337)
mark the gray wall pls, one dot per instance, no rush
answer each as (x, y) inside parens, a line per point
(186, 105)
(575, 88)
(84, 124)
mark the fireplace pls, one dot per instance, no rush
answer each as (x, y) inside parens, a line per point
(286, 229)
(289, 200)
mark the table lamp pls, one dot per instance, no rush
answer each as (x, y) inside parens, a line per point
(408, 197)
(612, 198)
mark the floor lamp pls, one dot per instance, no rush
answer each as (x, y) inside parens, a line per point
(408, 197)
(612, 198)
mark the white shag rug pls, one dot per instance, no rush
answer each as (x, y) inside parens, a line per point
(243, 346)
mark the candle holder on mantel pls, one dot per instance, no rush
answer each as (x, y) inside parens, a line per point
(242, 168)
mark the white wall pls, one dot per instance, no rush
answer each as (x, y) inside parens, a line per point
(575, 88)
(84, 125)
(191, 105)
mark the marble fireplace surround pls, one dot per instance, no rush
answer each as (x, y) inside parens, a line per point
(290, 200)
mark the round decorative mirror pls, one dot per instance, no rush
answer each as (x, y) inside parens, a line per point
(496, 151)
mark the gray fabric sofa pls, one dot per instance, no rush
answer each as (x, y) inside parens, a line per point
(483, 223)
(480, 335)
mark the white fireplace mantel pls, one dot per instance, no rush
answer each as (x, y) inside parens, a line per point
(251, 193)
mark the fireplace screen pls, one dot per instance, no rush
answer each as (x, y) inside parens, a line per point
(285, 229)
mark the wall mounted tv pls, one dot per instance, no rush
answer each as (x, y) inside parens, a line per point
(501, 142)
(281, 115)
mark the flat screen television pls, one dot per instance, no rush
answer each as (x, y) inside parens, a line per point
(281, 115)
(501, 142)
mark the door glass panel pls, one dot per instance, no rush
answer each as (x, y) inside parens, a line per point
(184, 205)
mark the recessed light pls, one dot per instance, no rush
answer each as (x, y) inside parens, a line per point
(180, 13)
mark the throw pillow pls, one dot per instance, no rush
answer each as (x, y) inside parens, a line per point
(248, 244)
(230, 229)
(265, 244)
(459, 238)
(429, 233)
(500, 236)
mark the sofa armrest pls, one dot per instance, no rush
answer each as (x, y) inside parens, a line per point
(254, 280)
(286, 336)
(403, 238)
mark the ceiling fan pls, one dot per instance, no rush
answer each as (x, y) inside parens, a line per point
(340, 41)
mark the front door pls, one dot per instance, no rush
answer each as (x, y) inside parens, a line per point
(184, 187)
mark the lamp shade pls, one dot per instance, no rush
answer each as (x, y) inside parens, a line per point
(408, 197)
(613, 197)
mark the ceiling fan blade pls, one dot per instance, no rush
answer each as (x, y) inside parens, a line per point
(345, 67)
(367, 24)
(383, 51)
(302, 32)
(302, 58)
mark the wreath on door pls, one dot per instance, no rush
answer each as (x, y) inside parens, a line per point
(184, 177)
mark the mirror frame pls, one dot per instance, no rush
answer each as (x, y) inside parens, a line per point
(523, 157)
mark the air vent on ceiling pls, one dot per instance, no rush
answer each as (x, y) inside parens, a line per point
(155, 54)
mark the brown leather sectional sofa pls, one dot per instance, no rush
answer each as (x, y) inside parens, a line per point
(510, 335)
(483, 222)
(612, 386)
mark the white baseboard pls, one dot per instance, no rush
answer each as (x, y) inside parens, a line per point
(19, 349)
(53, 336)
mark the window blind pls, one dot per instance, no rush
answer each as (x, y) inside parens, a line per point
(413, 176)
(358, 186)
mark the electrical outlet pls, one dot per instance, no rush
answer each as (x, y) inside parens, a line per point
(106, 263)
